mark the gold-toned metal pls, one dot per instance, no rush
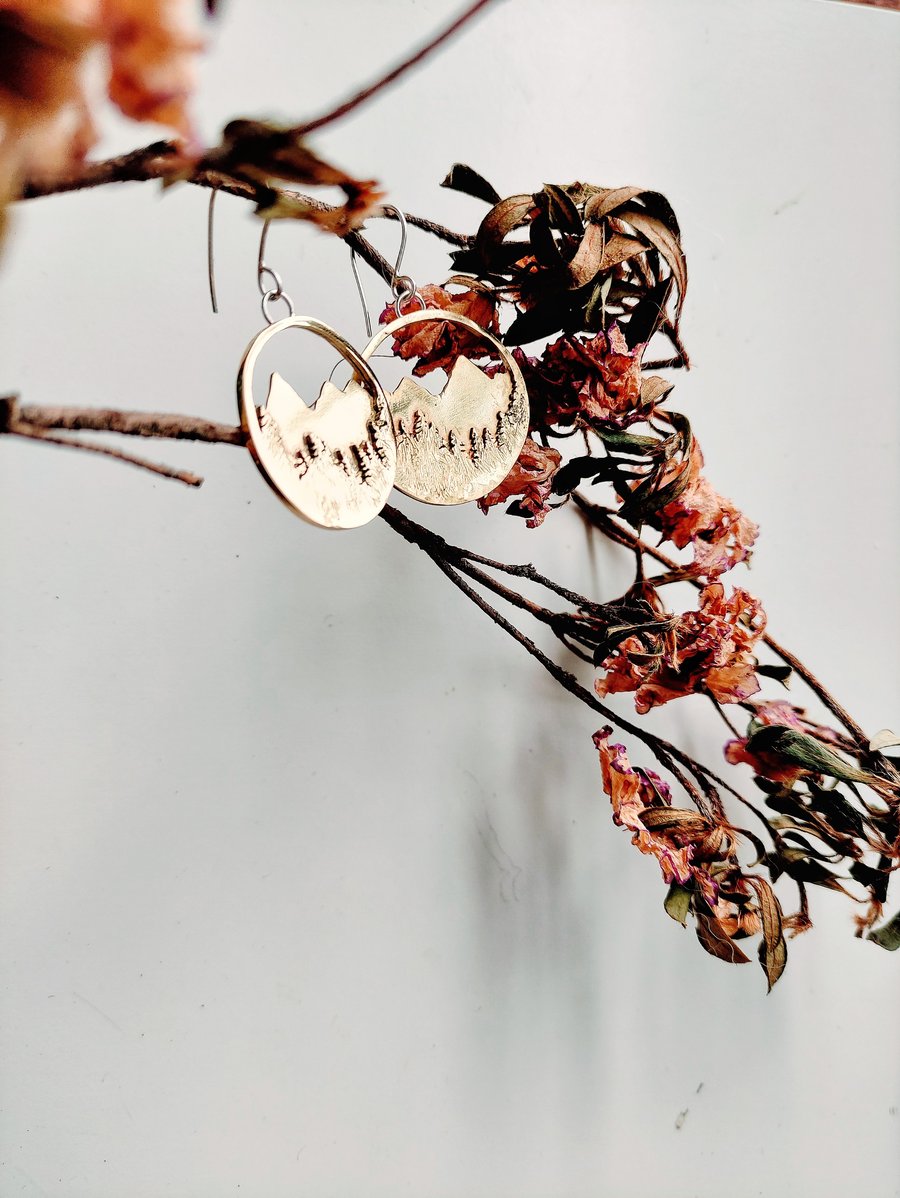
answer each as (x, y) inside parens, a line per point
(333, 464)
(456, 446)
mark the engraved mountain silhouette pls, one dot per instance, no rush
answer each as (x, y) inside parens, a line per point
(458, 445)
(334, 463)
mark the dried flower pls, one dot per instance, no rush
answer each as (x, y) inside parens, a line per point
(529, 482)
(708, 650)
(46, 123)
(152, 49)
(768, 764)
(585, 381)
(437, 343)
(718, 533)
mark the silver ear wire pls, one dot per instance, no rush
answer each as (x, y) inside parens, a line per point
(267, 278)
(362, 295)
(263, 272)
(403, 286)
(210, 258)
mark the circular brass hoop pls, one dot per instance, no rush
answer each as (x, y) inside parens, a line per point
(333, 465)
(459, 445)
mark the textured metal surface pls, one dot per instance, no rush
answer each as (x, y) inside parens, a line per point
(333, 464)
(456, 446)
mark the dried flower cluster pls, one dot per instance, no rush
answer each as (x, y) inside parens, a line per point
(47, 112)
(146, 51)
(594, 278)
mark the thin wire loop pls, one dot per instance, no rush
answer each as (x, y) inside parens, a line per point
(268, 272)
(406, 296)
(269, 297)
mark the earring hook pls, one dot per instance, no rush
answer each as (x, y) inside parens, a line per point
(403, 286)
(263, 272)
(362, 295)
(210, 251)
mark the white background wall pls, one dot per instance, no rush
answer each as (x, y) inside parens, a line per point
(308, 882)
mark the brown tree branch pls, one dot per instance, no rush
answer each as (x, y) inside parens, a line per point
(38, 422)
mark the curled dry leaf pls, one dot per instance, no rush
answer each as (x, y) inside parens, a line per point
(714, 937)
(773, 947)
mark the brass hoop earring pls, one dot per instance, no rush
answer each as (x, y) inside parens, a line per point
(334, 464)
(458, 445)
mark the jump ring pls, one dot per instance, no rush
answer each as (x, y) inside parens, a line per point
(407, 298)
(274, 276)
(403, 286)
(275, 295)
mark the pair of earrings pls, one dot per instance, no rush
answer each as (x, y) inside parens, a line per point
(334, 464)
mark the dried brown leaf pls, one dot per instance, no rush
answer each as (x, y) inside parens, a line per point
(605, 201)
(663, 239)
(773, 948)
(509, 214)
(654, 389)
(717, 942)
(674, 819)
(268, 153)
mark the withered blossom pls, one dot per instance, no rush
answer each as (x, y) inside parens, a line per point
(697, 856)
(710, 650)
(436, 344)
(585, 381)
(46, 112)
(718, 533)
(766, 763)
(529, 483)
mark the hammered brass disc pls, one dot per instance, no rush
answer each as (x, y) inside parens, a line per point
(459, 445)
(334, 464)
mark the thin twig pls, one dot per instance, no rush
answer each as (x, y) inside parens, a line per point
(147, 164)
(38, 434)
(720, 711)
(391, 76)
(162, 161)
(163, 425)
(528, 572)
